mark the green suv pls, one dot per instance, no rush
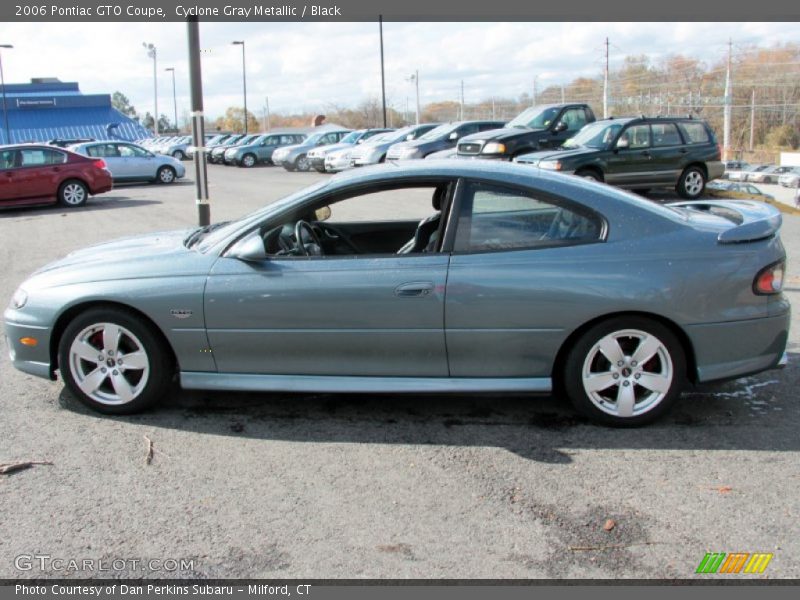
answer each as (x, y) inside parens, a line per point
(639, 153)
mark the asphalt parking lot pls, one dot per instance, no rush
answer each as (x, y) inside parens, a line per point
(377, 486)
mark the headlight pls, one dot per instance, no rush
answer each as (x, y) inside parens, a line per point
(494, 148)
(553, 165)
(19, 299)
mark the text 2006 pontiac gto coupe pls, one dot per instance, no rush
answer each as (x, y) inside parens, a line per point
(515, 280)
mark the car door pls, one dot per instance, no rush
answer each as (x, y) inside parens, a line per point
(110, 155)
(668, 153)
(140, 164)
(338, 315)
(39, 172)
(630, 163)
(8, 181)
(511, 297)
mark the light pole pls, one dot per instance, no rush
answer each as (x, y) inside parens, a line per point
(151, 52)
(3, 83)
(244, 82)
(174, 98)
(415, 78)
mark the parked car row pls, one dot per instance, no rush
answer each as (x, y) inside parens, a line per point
(741, 171)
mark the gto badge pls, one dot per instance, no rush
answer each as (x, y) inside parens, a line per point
(181, 313)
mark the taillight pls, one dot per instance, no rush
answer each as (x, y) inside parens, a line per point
(769, 279)
(100, 163)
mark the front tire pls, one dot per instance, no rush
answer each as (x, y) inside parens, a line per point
(590, 174)
(166, 175)
(625, 372)
(248, 161)
(113, 363)
(73, 193)
(691, 183)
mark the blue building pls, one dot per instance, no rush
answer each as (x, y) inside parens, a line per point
(47, 109)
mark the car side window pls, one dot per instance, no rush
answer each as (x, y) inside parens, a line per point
(103, 151)
(8, 159)
(665, 134)
(36, 157)
(468, 129)
(574, 118)
(498, 218)
(694, 133)
(637, 136)
(126, 151)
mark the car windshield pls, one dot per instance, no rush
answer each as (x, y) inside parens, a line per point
(595, 135)
(391, 136)
(313, 139)
(536, 117)
(352, 137)
(231, 140)
(440, 131)
(205, 238)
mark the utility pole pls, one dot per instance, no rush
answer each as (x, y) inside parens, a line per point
(383, 79)
(533, 101)
(726, 133)
(3, 83)
(752, 117)
(198, 127)
(416, 81)
(605, 85)
(151, 52)
(563, 95)
(492, 108)
(462, 99)
(174, 98)
(244, 82)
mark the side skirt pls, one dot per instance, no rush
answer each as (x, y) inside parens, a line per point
(246, 382)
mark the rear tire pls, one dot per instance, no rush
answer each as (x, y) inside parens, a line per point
(691, 183)
(73, 193)
(625, 372)
(178, 155)
(113, 362)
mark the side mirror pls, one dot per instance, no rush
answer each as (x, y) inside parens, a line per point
(322, 214)
(249, 249)
(453, 136)
(559, 127)
(623, 143)
(409, 137)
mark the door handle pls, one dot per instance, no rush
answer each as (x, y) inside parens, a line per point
(646, 153)
(413, 289)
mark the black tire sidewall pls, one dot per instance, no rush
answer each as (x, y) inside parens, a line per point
(243, 162)
(161, 170)
(682, 183)
(572, 379)
(63, 186)
(161, 364)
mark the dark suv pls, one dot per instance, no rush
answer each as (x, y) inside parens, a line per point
(440, 138)
(539, 127)
(639, 153)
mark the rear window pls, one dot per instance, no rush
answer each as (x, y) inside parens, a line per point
(37, 157)
(694, 133)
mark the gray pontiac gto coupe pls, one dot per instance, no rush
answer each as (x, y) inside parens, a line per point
(485, 277)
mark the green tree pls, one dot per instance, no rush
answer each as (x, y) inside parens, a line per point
(234, 121)
(121, 102)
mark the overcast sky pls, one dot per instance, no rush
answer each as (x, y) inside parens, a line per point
(307, 66)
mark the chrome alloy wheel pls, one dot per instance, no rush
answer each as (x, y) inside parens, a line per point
(627, 373)
(109, 363)
(693, 183)
(248, 160)
(74, 194)
(166, 175)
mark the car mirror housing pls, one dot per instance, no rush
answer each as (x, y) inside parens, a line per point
(559, 127)
(622, 143)
(322, 214)
(249, 249)
(453, 136)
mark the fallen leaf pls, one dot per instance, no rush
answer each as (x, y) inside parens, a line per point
(723, 489)
(609, 524)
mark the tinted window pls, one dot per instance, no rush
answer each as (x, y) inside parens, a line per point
(665, 134)
(103, 151)
(637, 136)
(574, 118)
(694, 133)
(130, 151)
(7, 159)
(37, 157)
(498, 218)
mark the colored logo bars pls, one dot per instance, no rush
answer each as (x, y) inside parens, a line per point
(735, 562)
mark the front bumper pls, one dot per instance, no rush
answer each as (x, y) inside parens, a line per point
(317, 162)
(34, 360)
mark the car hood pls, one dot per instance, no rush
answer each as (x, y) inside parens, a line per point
(150, 255)
(535, 157)
(415, 143)
(498, 135)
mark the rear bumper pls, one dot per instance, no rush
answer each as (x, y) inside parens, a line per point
(738, 348)
(715, 169)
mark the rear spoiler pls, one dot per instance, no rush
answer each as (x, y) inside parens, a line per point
(754, 220)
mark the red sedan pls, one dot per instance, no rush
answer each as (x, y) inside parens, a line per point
(39, 174)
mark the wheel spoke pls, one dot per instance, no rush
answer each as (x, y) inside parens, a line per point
(610, 348)
(92, 381)
(625, 401)
(646, 349)
(122, 387)
(111, 336)
(655, 382)
(85, 351)
(133, 361)
(597, 382)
